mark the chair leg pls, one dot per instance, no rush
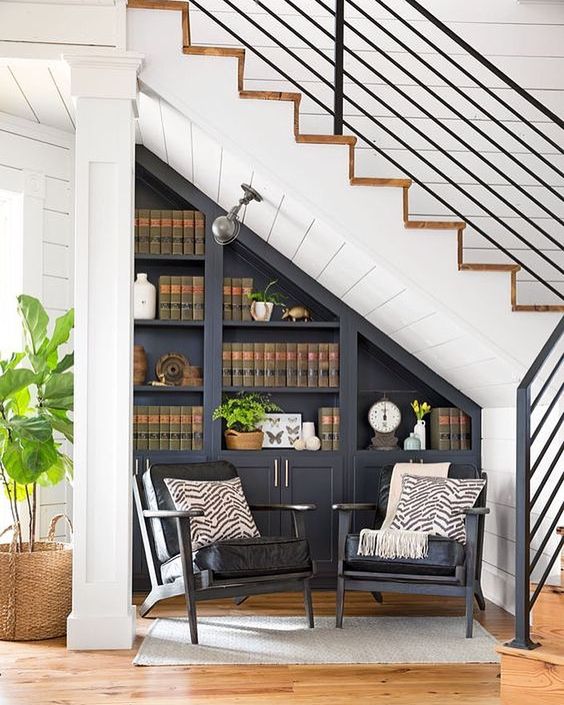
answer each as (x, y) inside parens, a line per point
(469, 611)
(239, 600)
(479, 595)
(378, 597)
(340, 601)
(308, 604)
(150, 601)
(192, 616)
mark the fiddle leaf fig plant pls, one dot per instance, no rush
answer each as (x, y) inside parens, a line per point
(36, 396)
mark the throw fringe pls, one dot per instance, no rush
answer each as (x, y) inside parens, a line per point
(391, 543)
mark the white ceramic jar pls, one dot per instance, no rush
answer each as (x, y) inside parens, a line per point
(144, 298)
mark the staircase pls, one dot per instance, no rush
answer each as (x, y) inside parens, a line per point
(536, 263)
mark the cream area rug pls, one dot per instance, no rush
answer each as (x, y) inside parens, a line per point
(287, 640)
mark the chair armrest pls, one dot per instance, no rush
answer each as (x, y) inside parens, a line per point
(476, 510)
(284, 507)
(172, 514)
(352, 507)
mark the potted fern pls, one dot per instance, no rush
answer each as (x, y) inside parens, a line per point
(263, 302)
(36, 396)
(242, 414)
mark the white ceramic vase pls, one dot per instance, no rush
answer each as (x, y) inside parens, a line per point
(261, 310)
(144, 298)
(308, 430)
(419, 431)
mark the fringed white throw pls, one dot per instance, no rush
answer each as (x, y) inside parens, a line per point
(396, 543)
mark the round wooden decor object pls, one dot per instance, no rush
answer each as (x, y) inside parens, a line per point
(170, 368)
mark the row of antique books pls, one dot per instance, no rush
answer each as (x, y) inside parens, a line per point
(236, 304)
(280, 365)
(168, 427)
(168, 232)
(329, 427)
(450, 429)
(181, 298)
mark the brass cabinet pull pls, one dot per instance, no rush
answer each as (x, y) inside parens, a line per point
(137, 466)
(275, 472)
(286, 473)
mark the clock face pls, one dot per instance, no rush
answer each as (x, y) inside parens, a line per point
(384, 416)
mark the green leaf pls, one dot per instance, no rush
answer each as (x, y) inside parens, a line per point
(55, 474)
(14, 361)
(19, 491)
(58, 392)
(66, 363)
(39, 457)
(61, 423)
(63, 326)
(14, 380)
(34, 319)
(35, 429)
(18, 402)
(16, 469)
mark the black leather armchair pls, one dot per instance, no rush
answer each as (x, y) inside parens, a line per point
(234, 568)
(449, 568)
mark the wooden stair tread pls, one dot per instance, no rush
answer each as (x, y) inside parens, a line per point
(485, 267)
(434, 225)
(550, 651)
(538, 308)
(327, 139)
(271, 95)
(374, 181)
(215, 51)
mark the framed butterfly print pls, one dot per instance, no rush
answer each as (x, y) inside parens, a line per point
(281, 430)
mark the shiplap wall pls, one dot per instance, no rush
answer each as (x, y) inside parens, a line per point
(525, 41)
(26, 147)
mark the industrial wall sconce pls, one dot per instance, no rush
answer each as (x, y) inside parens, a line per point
(225, 228)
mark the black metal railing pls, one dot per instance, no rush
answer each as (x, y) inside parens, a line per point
(341, 79)
(538, 457)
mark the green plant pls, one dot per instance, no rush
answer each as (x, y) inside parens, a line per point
(274, 297)
(420, 410)
(245, 411)
(36, 395)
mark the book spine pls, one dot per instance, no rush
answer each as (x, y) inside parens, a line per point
(227, 371)
(154, 428)
(323, 365)
(164, 298)
(197, 428)
(166, 232)
(325, 427)
(177, 233)
(336, 428)
(280, 367)
(186, 298)
(312, 364)
(142, 427)
(302, 364)
(237, 364)
(199, 233)
(135, 427)
(292, 364)
(454, 429)
(440, 428)
(248, 365)
(136, 231)
(258, 349)
(164, 428)
(334, 380)
(227, 302)
(185, 428)
(269, 364)
(175, 422)
(236, 298)
(155, 233)
(175, 297)
(246, 290)
(188, 232)
(465, 432)
(144, 230)
(198, 302)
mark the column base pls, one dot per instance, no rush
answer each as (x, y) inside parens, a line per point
(88, 633)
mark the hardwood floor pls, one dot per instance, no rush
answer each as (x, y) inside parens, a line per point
(46, 674)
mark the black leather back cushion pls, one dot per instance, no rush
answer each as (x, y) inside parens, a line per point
(158, 496)
(458, 471)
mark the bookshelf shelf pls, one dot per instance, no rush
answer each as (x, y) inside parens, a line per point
(301, 325)
(144, 388)
(285, 390)
(169, 258)
(158, 323)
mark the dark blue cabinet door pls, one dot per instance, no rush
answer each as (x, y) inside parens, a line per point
(312, 478)
(366, 487)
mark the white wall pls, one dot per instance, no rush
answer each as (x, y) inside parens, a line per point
(38, 162)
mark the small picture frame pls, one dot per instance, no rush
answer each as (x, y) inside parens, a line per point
(281, 430)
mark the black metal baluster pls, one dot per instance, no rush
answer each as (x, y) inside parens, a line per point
(339, 63)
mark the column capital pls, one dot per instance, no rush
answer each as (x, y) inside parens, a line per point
(111, 74)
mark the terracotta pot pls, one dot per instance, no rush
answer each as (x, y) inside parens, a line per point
(235, 440)
(139, 364)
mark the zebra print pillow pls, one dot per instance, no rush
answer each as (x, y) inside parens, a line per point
(226, 512)
(434, 505)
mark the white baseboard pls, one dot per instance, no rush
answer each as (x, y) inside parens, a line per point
(87, 633)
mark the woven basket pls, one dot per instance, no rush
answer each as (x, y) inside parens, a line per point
(235, 440)
(35, 588)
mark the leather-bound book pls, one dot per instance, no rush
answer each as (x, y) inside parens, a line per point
(302, 364)
(198, 298)
(226, 375)
(248, 364)
(185, 428)
(155, 233)
(199, 233)
(177, 233)
(197, 428)
(280, 368)
(269, 364)
(166, 232)
(440, 428)
(142, 427)
(292, 364)
(246, 290)
(465, 432)
(236, 298)
(164, 428)
(323, 365)
(164, 298)
(259, 364)
(136, 231)
(325, 427)
(135, 427)
(334, 365)
(188, 229)
(336, 428)
(454, 429)
(187, 298)
(144, 217)
(227, 302)
(237, 363)
(313, 364)
(153, 422)
(175, 298)
(175, 424)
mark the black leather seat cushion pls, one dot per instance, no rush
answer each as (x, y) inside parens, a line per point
(445, 555)
(246, 558)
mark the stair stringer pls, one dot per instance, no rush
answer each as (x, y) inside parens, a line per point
(262, 134)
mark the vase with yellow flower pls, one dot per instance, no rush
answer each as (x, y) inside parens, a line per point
(420, 411)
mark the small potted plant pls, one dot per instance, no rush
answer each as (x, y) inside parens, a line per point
(242, 414)
(263, 302)
(420, 411)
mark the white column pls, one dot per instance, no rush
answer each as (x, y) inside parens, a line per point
(104, 88)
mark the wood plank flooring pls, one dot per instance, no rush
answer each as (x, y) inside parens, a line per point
(45, 673)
